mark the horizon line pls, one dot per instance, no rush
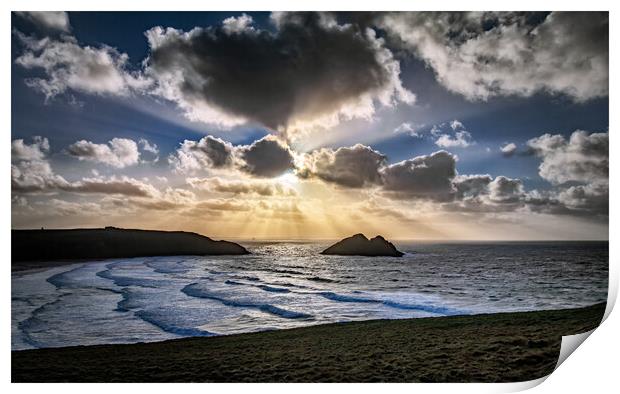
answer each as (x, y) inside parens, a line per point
(297, 239)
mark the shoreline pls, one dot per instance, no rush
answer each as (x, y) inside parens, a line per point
(498, 347)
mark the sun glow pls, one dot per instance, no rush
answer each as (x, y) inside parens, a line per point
(288, 179)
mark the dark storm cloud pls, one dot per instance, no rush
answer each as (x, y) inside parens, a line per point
(422, 177)
(310, 66)
(427, 176)
(354, 166)
(266, 158)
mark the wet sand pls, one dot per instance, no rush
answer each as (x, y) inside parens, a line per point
(502, 347)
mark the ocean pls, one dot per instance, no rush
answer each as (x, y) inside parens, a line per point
(289, 284)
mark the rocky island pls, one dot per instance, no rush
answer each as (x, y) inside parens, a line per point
(359, 245)
(31, 247)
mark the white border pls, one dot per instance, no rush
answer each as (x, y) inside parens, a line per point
(593, 368)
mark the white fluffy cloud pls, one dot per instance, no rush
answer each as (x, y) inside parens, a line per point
(460, 139)
(208, 152)
(582, 158)
(508, 149)
(70, 66)
(148, 146)
(53, 20)
(480, 55)
(410, 129)
(452, 135)
(37, 176)
(35, 151)
(118, 152)
(239, 24)
(31, 172)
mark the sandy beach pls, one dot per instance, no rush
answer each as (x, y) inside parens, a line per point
(501, 347)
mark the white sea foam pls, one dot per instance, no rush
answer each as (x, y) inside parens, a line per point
(284, 285)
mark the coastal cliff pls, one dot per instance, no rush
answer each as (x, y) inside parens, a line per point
(112, 242)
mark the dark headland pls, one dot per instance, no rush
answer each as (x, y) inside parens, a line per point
(38, 248)
(500, 347)
(359, 245)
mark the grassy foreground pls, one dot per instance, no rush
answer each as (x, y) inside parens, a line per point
(505, 347)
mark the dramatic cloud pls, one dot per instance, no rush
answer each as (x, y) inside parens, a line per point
(483, 194)
(508, 149)
(236, 187)
(427, 177)
(208, 152)
(480, 55)
(52, 20)
(67, 65)
(484, 190)
(266, 158)
(119, 152)
(356, 166)
(309, 68)
(583, 158)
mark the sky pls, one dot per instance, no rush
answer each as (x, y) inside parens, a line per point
(412, 125)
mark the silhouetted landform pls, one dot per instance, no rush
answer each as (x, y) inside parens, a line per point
(112, 242)
(501, 347)
(359, 245)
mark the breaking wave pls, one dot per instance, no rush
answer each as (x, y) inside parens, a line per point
(193, 290)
